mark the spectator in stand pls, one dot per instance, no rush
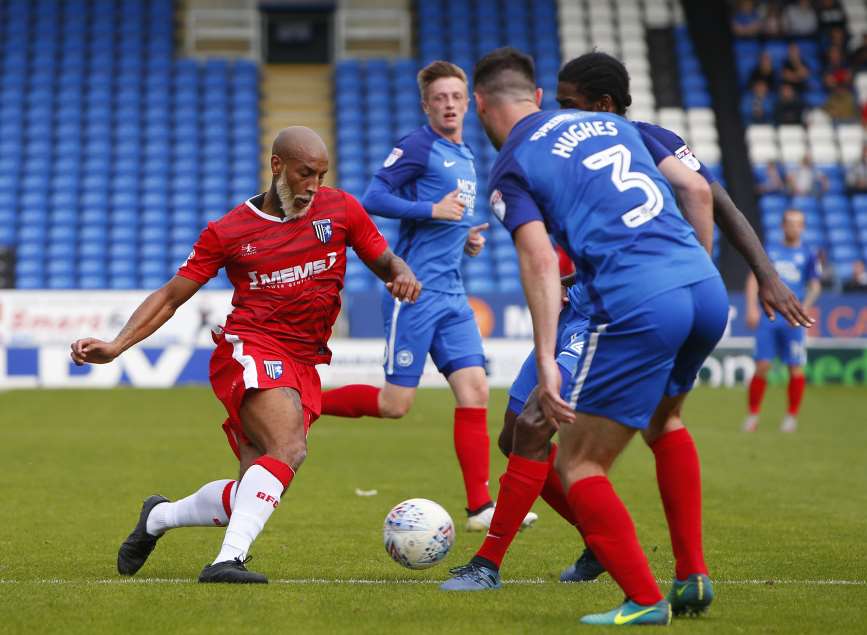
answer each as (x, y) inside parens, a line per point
(805, 179)
(830, 14)
(858, 57)
(840, 104)
(746, 21)
(858, 281)
(856, 175)
(764, 72)
(757, 106)
(838, 37)
(789, 108)
(794, 72)
(799, 19)
(773, 183)
(836, 69)
(772, 20)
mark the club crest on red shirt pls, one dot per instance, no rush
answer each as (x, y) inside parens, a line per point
(323, 229)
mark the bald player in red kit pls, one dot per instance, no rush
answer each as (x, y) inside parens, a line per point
(285, 254)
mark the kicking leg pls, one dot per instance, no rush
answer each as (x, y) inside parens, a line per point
(273, 420)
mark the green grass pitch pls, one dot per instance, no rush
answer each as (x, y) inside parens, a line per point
(785, 522)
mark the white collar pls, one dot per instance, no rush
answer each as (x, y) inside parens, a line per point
(260, 213)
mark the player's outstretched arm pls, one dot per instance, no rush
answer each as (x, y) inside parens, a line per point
(540, 278)
(772, 292)
(396, 275)
(694, 196)
(151, 314)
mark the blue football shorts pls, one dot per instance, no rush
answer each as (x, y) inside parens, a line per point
(780, 340)
(571, 330)
(441, 324)
(654, 350)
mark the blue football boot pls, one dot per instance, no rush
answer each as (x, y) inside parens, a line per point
(586, 569)
(691, 596)
(472, 577)
(632, 614)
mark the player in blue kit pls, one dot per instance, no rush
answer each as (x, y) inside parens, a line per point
(599, 82)
(655, 301)
(428, 181)
(798, 266)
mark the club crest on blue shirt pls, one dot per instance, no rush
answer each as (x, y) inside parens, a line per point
(273, 368)
(323, 229)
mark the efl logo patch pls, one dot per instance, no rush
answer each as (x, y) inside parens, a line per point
(688, 158)
(323, 230)
(498, 205)
(392, 158)
(273, 368)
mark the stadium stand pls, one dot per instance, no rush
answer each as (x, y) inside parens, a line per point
(823, 144)
(462, 32)
(130, 150)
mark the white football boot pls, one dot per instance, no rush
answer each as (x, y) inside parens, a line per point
(751, 423)
(482, 520)
(790, 424)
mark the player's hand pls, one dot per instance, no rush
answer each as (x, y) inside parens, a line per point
(475, 241)
(404, 286)
(451, 207)
(93, 351)
(776, 296)
(556, 410)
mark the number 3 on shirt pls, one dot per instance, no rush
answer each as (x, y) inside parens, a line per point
(619, 157)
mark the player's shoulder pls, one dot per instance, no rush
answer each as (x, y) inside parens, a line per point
(420, 139)
(238, 215)
(666, 137)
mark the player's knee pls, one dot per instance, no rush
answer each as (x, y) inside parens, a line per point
(762, 369)
(394, 408)
(532, 435)
(504, 442)
(292, 453)
(796, 371)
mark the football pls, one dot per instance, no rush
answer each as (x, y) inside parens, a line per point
(418, 533)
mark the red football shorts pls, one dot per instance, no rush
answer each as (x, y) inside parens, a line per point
(240, 365)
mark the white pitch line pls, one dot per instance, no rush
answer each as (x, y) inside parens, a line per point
(410, 582)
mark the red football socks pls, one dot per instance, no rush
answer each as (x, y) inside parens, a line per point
(796, 393)
(553, 492)
(679, 477)
(756, 393)
(519, 489)
(354, 400)
(609, 532)
(473, 449)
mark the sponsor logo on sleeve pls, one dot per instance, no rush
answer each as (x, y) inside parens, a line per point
(498, 205)
(688, 158)
(392, 157)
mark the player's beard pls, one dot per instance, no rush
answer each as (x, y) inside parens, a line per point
(294, 206)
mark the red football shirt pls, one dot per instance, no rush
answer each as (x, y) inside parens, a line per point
(287, 273)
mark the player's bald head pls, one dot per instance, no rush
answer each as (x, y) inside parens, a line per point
(300, 143)
(299, 162)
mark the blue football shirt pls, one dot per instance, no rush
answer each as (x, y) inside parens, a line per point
(797, 266)
(590, 178)
(421, 170)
